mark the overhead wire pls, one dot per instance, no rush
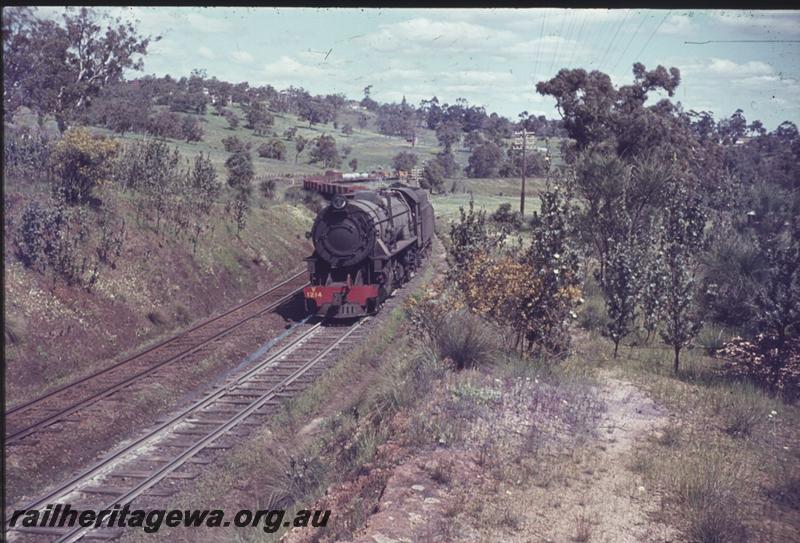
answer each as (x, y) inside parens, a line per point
(614, 37)
(580, 33)
(539, 48)
(558, 43)
(639, 56)
(635, 33)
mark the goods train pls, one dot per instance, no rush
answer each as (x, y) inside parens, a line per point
(367, 243)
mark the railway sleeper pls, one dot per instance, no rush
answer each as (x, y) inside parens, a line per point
(192, 460)
(144, 474)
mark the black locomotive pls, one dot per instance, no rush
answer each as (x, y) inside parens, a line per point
(367, 244)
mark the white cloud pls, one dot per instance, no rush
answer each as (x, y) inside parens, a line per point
(730, 68)
(208, 24)
(242, 57)
(288, 71)
(677, 24)
(760, 22)
(205, 52)
(547, 47)
(441, 35)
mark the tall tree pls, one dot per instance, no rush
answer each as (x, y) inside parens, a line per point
(56, 69)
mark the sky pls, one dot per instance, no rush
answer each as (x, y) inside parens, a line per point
(491, 57)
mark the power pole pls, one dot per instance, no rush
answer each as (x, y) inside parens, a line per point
(522, 141)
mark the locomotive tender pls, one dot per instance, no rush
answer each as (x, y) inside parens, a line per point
(366, 244)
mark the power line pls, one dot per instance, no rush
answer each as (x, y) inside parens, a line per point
(539, 49)
(570, 28)
(635, 33)
(602, 31)
(614, 37)
(580, 33)
(639, 56)
(558, 44)
(740, 41)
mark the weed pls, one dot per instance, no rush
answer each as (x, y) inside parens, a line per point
(157, 318)
(464, 340)
(742, 407)
(442, 473)
(706, 483)
(670, 436)
(182, 315)
(583, 530)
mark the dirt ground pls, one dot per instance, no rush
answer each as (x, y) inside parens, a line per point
(446, 494)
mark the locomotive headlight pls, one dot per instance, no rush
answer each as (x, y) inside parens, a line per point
(339, 202)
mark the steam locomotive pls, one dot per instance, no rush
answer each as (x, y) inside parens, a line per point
(366, 244)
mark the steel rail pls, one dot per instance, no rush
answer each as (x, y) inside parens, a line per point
(97, 468)
(181, 459)
(93, 398)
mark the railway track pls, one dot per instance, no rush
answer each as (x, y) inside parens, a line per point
(168, 451)
(58, 404)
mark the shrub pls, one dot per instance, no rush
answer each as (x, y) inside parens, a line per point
(433, 177)
(267, 188)
(274, 149)
(298, 195)
(404, 161)
(80, 163)
(593, 316)
(504, 215)
(54, 237)
(232, 118)
(191, 128)
(465, 340)
(766, 360)
(325, 151)
(231, 144)
(25, 154)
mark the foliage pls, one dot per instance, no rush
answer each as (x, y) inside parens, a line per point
(448, 164)
(267, 188)
(768, 359)
(274, 149)
(54, 237)
(396, 119)
(240, 171)
(507, 216)
(484, 160)
(404, 161)
(299, 145)
(621, 285)
(777, 299)
(353, 164)
(433, 177)
(535, 163)
(258, 118)
(324, 150)
(532, 291)
(233, 144)
(347, 129)
(681, 239)
(80, 162)
(448, 133)
(192, 129)
(554, 261)
(232, 118)
(298, 195)
(57, 68)
(25, 153)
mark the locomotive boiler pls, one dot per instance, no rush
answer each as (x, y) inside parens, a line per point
(366, 244)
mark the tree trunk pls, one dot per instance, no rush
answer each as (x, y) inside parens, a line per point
(616, 348)
(677, 360)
